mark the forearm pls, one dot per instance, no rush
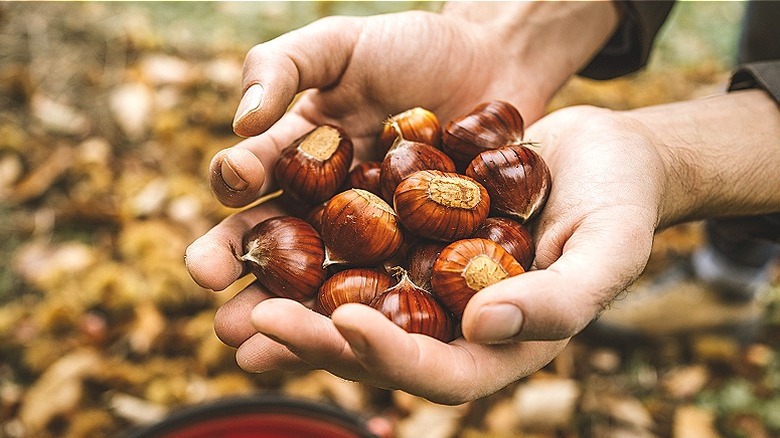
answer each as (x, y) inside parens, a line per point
(548, 41)
(721, 155)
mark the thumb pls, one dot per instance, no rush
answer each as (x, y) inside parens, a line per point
(314, 56)
(559, 301)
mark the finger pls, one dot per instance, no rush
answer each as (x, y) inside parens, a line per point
(213, 259)
(312, 56)
(445, 373)
(231, 321)
(307, 334)
(241, 173)
(260, 354)
(599, 260)
(255, 352)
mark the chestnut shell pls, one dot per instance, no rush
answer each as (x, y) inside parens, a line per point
(513, 236)
(416, 124)
(490, 125)
(517, 179)
(421, 257)
(467, 266)
(407, 157)
(355, 285)
(360, 228)
(365, 176)
(285, 253)
(441, 206)
(415, 310)
(314, 167)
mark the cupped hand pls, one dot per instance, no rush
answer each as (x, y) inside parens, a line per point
(594, 236)
(353, 73)
(593, 239)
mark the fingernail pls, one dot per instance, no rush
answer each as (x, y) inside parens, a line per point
(250, 102)
(497, 323)
(231, 177)
(356, 340)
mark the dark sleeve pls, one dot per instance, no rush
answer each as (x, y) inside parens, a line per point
(629, 47)
(764, 75)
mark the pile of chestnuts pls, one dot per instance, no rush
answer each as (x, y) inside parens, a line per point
(441, 217)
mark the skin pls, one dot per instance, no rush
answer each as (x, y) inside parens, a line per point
(618, 178)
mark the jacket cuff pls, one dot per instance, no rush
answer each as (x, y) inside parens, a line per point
(764, 75)
(629, 47)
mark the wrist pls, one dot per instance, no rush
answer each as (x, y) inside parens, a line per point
(720, 155)
(542, 43)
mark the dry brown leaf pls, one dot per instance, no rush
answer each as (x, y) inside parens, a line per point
(58, 390)
(502, 419)
(59, 117)
(47, 265)
(40, 179)
(159, 69)
(686, 381)
(321, 385)
(135, 410)
(694, 422)
(431, 421)
(131, 106)
(149, 324)
(604, 360)
(546, 404)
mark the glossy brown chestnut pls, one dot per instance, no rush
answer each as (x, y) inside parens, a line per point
(467, 266)
(407, 157)
(415, 310)
(359, 228)
(314, 217)
(416, 124)
(512, 236)
(355, 285)
(421, 257)
(315, 166)
(286, 255)
(441, 206)
(365, 176)
(517, 179)
(490, 125)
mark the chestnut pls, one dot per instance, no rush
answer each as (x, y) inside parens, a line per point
(421, 257)
(285, 253)
(315, 166)
(465, 267)
(415, 310)
(441, 206)
(490, 125)
(517, 179)
(407, 157)
(358, 227)
(512, 236)
(355, 285)
(416, 124)
(365, 176)
(314, 217)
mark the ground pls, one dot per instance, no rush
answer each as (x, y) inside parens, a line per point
(109, 115)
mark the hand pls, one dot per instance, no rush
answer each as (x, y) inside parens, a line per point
(594, 238)
(354, 72)
(617, 178)
(350, 83)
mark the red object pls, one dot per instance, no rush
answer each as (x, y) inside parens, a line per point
(259, 417)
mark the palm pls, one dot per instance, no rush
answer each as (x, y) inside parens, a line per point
(594, 236)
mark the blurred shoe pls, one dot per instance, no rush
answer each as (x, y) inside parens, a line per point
(702, 293)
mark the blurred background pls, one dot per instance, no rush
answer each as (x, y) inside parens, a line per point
(109, 115)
